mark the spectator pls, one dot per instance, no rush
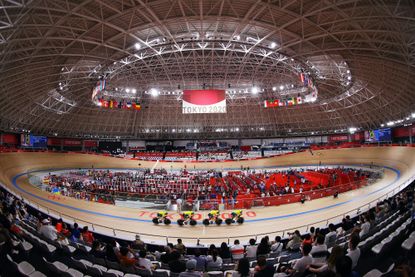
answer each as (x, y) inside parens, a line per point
(354, 252)
(300, 265)
(87, 236)
(364, 227)
(344, 267)
(295, 241)
(336, 252)
(200, 261)
(180, 247)
(251, 250)
(307, 239)
(243, 268)
(138, 244)
(263, 269)
(175, 264)
(237, 251)
(277, 246)
(166, 257)
(330, 239)
(191, 266)
(263, 247)
(47, 230)
(318, 248)
(110, 253)
(124, 258)
(65, 231)
(58, 225)
(76, 233)
(214, 262)
(224, 252)
(143, 261)
(96, 250)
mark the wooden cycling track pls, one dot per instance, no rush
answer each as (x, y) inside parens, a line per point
(399, 163)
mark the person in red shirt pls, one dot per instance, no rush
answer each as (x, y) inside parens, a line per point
(124, 258)
(87, 236)
(59, 225)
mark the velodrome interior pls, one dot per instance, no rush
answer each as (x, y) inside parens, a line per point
(398, 162)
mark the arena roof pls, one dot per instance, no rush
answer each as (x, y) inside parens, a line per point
(360, 54)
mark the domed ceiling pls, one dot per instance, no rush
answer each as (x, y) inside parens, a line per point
(358, 55)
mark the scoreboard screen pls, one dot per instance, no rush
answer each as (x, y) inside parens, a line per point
(29, 140)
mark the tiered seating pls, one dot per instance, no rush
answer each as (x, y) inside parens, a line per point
(75, 260)
(180, 156)
(149, 156)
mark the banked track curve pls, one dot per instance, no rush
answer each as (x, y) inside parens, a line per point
(399, 164)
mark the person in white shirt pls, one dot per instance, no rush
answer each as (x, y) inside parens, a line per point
(300, 265)
(179, 203)
(48, 231)
(277, 246)
(330, 239)
(319, 247)
(213, 261)
(143, 261)
(354, 252)
(365, 227)
(237, 251)
(251, 250)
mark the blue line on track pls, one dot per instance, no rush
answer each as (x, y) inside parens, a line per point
(14, 182)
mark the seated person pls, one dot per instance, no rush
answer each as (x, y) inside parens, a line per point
(143, 262)
(300, 265)
(175, 264)
(354, 252)
(277, 246)
(213, 261)
(125, 259)
(295, 241)
(319, 248)
(96, 250)
(263, 269)
(191, 270)
(330, 265)
(250, 251)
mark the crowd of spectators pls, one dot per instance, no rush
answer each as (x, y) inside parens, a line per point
(192, 186)
(315, 252)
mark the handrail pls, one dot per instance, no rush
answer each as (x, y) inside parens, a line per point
(117, 231)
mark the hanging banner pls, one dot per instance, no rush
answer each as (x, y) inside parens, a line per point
(204, 101)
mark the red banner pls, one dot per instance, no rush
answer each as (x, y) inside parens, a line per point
(72, 142)
(204, 101)
(90, 143)
(337, 138)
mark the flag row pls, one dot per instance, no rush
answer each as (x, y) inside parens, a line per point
(283, 103)
(113, 104)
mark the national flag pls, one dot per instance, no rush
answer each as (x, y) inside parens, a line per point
(128, 105)
(102, 84)
(299, 100)
(305, 82)
(137, 106)
(271, 103)
(302, 77)
(111, 104)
